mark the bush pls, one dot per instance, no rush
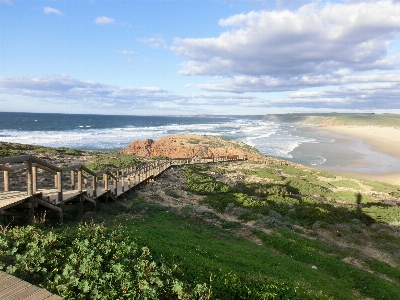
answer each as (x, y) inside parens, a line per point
(202, 183)
(92, 263)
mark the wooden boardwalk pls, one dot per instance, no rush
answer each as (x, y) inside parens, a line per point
(13, 288)
(86, 186)
(12, 198)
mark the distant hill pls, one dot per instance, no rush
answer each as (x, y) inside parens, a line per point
(333, 119)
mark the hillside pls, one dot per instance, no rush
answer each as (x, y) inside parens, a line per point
(262, 229)
(339, 119)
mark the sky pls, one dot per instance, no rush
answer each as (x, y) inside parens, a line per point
(191, 57)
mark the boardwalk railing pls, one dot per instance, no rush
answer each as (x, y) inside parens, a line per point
(85, 184)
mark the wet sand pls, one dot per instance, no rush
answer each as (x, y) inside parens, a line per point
(369, 152)
(382, 139)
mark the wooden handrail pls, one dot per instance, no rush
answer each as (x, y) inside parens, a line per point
(44, 168)
(72, 168)
(45, 164)
(140, 174)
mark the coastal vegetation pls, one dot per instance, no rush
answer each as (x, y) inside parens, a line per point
(14, 149)
(239, 230)
(339, 119)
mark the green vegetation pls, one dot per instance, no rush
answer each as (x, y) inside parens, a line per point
(14, 149)
(88, 262)
(230, 231)
(112, 160)
(202, 183)
(194, 141)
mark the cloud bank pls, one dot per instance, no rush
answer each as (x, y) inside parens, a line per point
(315, 45)
(65, 89)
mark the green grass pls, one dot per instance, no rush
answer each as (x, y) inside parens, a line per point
(346, 183)
(112, 160)
(202, 250)
(14, 149)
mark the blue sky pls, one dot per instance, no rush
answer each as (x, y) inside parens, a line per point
(199, 57)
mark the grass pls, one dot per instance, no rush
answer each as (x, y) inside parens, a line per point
(112, 160)
(203, 250)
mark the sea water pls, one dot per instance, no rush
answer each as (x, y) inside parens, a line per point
(103, 132)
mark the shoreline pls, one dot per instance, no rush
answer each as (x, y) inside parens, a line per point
(379, 140)
(382, 139)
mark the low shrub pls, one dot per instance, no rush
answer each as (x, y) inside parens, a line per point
(91, 262)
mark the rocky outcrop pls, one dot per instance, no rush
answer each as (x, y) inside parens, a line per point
(188, 146)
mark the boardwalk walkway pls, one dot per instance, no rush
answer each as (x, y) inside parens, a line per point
(13, 288)
(86, 185)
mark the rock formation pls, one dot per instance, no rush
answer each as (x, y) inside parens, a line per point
(189, 145)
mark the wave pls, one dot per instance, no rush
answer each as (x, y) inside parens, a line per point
(272, 139)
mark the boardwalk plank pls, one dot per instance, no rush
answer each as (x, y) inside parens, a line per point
(9, 281)
(13, 288)
(42, 294)
(8, 199)
(23, 293)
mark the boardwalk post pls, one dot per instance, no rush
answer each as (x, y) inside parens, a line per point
(115, 187)
(6, 181)
(55, 181)
(122, 185)
(72, 180)
(105, 179)
(94, 186)
(59, 188)
(80, 180)
(29, 186)
(34, 179)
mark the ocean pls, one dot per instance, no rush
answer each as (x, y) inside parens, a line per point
(296, 143)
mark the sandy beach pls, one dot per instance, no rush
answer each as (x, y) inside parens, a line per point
(381, 139)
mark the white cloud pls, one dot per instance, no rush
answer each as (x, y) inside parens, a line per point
(126, 52)
(243, 83)
(49, 10)
(361, 97)
(65, 89)
(154, 42)
(312, 40)
(104, 20)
